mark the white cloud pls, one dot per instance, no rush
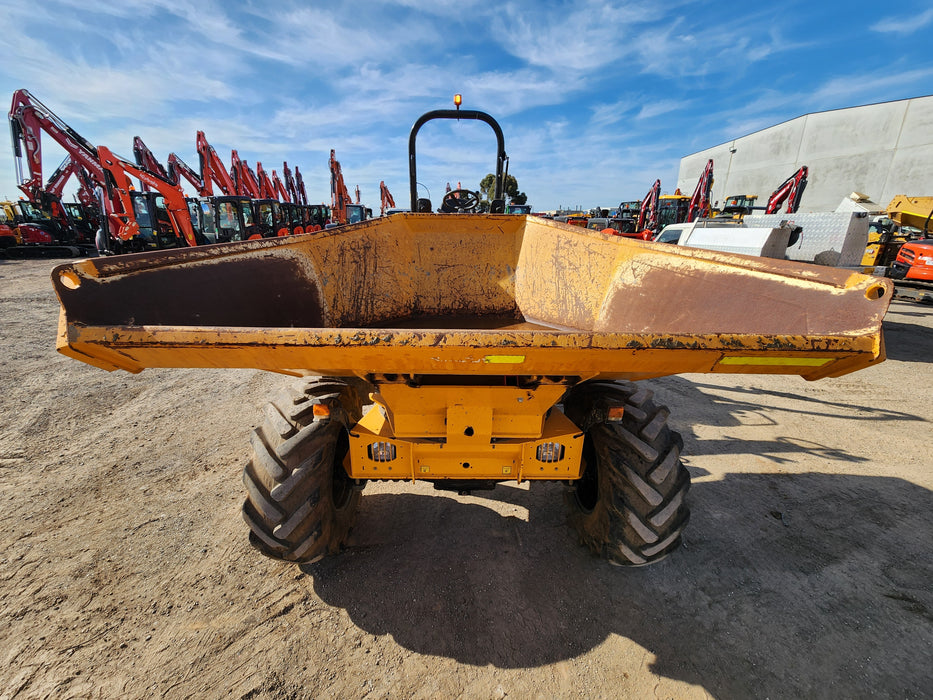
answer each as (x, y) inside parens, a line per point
(904, 25)
(659, 107)
(584, 38)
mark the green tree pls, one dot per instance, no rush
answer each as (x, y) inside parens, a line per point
(488, 187)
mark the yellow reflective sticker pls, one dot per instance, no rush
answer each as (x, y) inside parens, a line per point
(504, 359)
(790, 361)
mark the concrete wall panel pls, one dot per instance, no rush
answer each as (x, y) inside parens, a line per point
(918, 124)
(832, 179)
(910, 173)
(778, 144)
(881, 150)
(852, 131)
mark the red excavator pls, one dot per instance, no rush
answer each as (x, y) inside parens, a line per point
(270, 211)
(146, 160)
(648, 213)
(699, 206)
(29, 118)
(46, 223)
(266, 188)
(176, 167)
(300, 184)
(791, 190)
(80, 219)
(315, 215)
(737, 206)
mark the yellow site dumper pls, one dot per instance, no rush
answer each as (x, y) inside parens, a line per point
(467, 349)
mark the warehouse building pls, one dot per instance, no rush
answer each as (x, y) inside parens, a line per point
(880, 149)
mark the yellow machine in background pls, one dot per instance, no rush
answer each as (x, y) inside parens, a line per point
(9, 233)
(906, 218)
(736, 206)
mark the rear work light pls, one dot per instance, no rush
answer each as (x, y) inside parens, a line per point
(381, 451)
(549, 452)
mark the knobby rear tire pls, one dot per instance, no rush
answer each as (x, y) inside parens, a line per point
(630, 505)
(300, 503)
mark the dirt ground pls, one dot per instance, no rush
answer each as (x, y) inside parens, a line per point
(125, 570)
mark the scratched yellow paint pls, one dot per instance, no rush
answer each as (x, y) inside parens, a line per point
(414, 294)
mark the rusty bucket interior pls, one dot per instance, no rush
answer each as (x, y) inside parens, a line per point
(447, 291)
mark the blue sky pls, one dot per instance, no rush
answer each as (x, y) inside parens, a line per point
(596, 99)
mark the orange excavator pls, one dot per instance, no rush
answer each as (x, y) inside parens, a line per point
(388, 202)
(294, 211)
(159, 221)
(270, 218)
(266, 188)
(224, 217)
(343, 211)
(302, 218)
(280, 189)
(243, 177)
(212, 169)
(271, 213)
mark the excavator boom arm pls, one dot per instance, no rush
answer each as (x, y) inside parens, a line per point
(648, 213)
(387, 201)
(340, 196)
(790, 190)
(176, 167)
(28, 119)
(289, 183)
(120, 170)
(699, 202)
(300, 183)
(147, 160)
(212, 169)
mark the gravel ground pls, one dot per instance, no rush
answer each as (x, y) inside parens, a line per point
(125, 569)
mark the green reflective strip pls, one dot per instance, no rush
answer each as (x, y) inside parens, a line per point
(772, 361)
(504, 359)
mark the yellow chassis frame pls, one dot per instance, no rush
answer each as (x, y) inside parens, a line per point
(458, 432)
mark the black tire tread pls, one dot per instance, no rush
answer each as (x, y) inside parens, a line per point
(640, 509)
(289, 504)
